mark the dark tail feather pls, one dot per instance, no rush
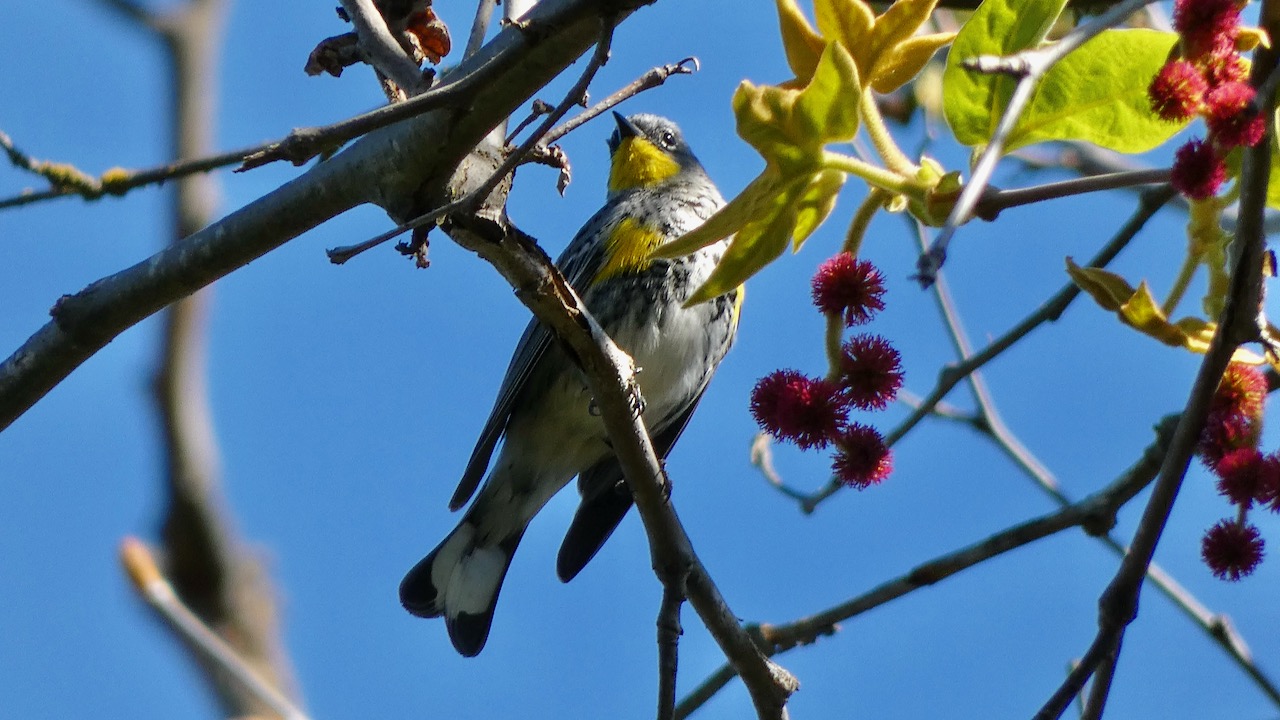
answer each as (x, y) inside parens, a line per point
(460, 581)
(595, 521)
(606, 500)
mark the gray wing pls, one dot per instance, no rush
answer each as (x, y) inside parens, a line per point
(579, 261)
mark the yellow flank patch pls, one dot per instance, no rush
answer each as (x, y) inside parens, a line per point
(737, 305)
(639, 163)
(627, 249)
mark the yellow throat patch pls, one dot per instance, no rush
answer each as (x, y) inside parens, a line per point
(627, 249)
(639, 163)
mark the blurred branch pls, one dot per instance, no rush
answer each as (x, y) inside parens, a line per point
(160, 595)
(118, 181)
(1095, 513)
(212, 572)
(1118, 604)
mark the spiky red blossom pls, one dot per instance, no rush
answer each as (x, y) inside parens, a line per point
(1198, 170)
(1223, 433)
(1242, 389)
(791, 406)
(848, 287)
(1232, 549)
(1206, 26)
(1230, 117)
(1177, 91)
(1246, 475)
(1220, 68)
(862, 459)
(871, 371)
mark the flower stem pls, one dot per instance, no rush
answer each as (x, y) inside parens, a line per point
(878, 132)
(874, 175)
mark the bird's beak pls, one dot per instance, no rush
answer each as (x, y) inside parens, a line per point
(626, 128)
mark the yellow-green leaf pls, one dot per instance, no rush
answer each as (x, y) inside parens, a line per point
(826, 110)
(727, 220)
(764, 120)
(906, 61)
(815, 203)
(1106, 288)
(1143, 313)
(801, 43)
(1273, 184)
(757, 244)
(899, 22)
(850, 22)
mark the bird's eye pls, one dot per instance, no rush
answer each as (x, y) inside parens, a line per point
(668, 139)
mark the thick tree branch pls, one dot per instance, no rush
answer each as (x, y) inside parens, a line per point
(388, 167)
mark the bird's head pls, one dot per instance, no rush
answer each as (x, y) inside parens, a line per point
(647, 150)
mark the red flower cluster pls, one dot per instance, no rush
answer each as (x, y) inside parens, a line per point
(1232, 549)
(1207, 78)
(1235, 414)
(848, 287)
(1229, 446)
(814, 412)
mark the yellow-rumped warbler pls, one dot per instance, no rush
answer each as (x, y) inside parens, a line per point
(657, 192)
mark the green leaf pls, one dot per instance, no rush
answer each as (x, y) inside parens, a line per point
(1098, 94)
(974, 102)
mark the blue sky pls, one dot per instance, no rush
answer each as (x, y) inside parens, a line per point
(348, 399)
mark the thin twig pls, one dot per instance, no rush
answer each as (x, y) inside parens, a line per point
(119, 181)
(159, 594)
(1095, 511)
(669, 632)
(994, 201)
(598, 59)
(1030, 66)
(381, 48)
(479, 26)
(1100, 688)
(649, 80)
